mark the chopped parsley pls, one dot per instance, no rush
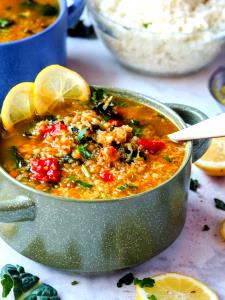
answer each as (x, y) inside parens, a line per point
(5, 23)
(219, 204)
(167, 158)
(194, 185)
(18, 159)
(49, 10)
(137, 127)
(84, 152)
(80, 182)
(152, 297)
(74, 282)
(120, 103)
(125, 186)
(127, 280)
(98, 95)
(145, 282)
(81, 134)
(145, 25)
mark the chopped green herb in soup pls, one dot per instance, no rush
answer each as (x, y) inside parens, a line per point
(22, 18)
(109, 147)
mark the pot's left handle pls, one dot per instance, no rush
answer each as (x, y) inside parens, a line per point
(19, 209)
(75, 10)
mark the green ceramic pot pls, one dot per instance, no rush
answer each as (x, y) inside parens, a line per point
(100, 236)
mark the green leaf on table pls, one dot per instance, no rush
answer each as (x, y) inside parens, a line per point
(43, 292)
(194, 185)
(145, 282)
(74, 282)
(219, 204)
(126, 279)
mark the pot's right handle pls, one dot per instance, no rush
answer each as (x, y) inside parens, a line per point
(21, 208)
(192, 116)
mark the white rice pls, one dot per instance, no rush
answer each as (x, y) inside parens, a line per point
(168, 36)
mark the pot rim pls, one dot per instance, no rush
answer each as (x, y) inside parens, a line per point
(62, 4)
(172, 116)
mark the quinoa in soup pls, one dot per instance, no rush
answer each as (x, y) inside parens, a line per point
(22, 18)
(109, 147)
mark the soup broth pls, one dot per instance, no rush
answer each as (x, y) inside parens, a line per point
(22, 18)
(107, 148)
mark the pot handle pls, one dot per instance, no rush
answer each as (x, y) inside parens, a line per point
(192, 116)
(74, 11)
(19, 209)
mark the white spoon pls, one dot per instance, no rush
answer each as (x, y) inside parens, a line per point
(210, 128)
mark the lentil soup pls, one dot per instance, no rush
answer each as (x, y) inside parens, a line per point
(22, 18)
(106, 148)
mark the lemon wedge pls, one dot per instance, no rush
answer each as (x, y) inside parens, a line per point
(213, 161)
(56, 84)
(18, 105)
(174, 286)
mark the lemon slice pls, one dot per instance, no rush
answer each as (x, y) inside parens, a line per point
(18, 105)
(55, 84)
(213, 161)
(174, 286)
(222, 229)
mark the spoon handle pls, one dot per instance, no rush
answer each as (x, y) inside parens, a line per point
(213, 127)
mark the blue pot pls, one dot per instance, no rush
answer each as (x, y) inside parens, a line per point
(21, 60)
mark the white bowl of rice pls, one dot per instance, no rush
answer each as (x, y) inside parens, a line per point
(161, 37)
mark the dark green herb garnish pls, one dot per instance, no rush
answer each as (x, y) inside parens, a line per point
(205, 228)
(48, 10)
(127, 280)
(145, 282)
(15, 277)
(18, 159)
(145, 25)
(98, 95)
(81, 134)
(29, 3)
(106, 118)
(194, 185)
(67, 159)
(134, 123)
(152, 297)
(161, 116)
(84, 152)
(5, 23)
(74, 282)
(219, 204)
(125, 186)
(80, 182)
(120, 103)
(167, 158)
(137, 128)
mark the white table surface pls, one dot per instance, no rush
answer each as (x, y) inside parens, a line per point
(197, 253)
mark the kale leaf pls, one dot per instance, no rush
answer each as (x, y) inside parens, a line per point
(98, 95)
(194, 185)
(5, 23)
(18, 159)
(43, 292)
(219, 204)
(84, 152)
(80, 182)
(15, 277)
(125, 186)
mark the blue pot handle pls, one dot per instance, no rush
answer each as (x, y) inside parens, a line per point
(192, 116)
(19, 209)
(74, 12)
